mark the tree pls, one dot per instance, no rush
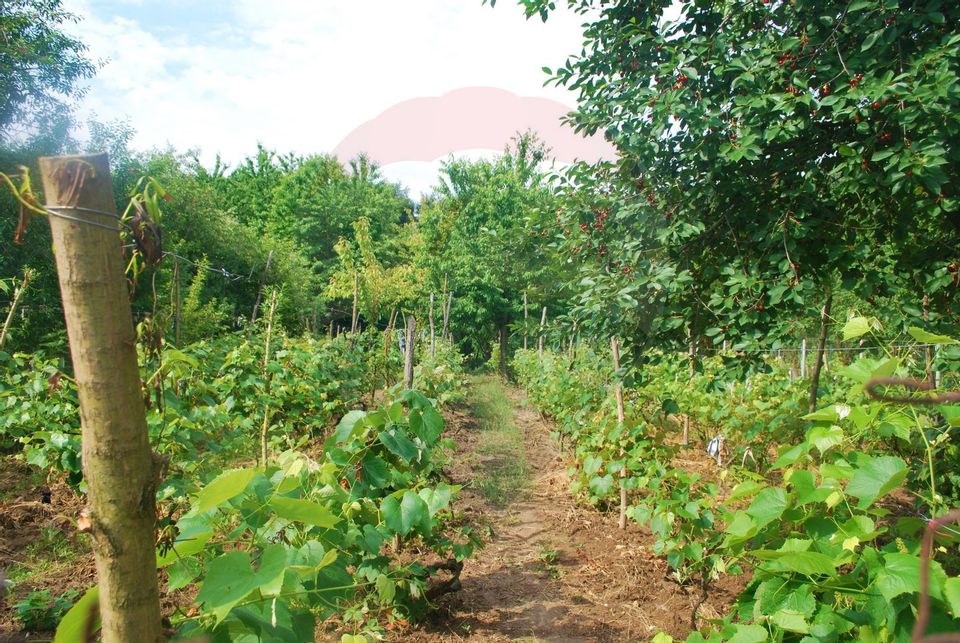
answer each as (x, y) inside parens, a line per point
(40, 67)
(770, 153)
(480, 230)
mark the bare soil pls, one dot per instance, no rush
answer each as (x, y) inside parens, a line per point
(555, 570)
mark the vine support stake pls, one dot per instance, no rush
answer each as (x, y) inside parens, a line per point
(355, 315)
(433, 336)
(821, 351)
(263, 280)
(526, 316)
(118, 466)
(803, 359)
(408, 356)
(543, 323)
(693, 374)
(618, 393)
(17, 296)
(264, 430)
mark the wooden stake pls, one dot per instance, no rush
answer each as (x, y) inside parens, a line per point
(543, 323)
(267, 378)
(408, 358)
(433, 337)
(263, 280)
(119, 468)
(929, 349)
(446, 316)
(803, 359)
(821, 351)
(17, 296)
(693, 373)
(504, 372)
(618, 392)
(526, 316)
(355, 315)
(177, 301)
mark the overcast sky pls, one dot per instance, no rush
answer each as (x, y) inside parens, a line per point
(301, 75)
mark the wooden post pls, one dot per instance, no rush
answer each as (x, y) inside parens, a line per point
(433, 336)
(355, 316)
(408, 358)
(330, 329)
(543, 323)
(446, 318)
(17, 296)
(803, 359)
(618, 392)
(929, 349)
(267, 378)
(118, 466)
(526, 316)
(693, 373)
(177, 301)
(821, 351)
(504, 372)
(263, 280)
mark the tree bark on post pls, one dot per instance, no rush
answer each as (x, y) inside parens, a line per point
(433, 335)
(543, 323)
(118, 466)
(177, 301)
(618, 393)
(263, 280)
(408, 357)
(821, 350)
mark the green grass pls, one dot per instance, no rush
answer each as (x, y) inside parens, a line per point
(502, 472)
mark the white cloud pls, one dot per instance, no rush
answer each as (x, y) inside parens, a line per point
(299, 75)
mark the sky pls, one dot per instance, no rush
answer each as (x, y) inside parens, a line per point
(220, 76)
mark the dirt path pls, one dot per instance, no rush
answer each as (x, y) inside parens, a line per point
(552, 571)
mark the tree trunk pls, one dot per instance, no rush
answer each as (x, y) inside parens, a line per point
(618, 392)
(118, 466)
(821, 350)
(693, 373)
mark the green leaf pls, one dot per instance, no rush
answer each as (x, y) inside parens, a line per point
(75, 624)
(437, 499)
(348, 423)
(406, 515)
(601, 485)
(228, 581)
(183, 548)
(749, 634)
(399, 444)
(745, 489)
(870, 40)
(877, 477)
(305, 511)
(790, 620)
(823, 438)
(810, 563)
(856, 327)
(951, 592)
(924, 337)
(900, 575)
(224, 487)
(269, 574)
(386, 589)
(768, 506)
